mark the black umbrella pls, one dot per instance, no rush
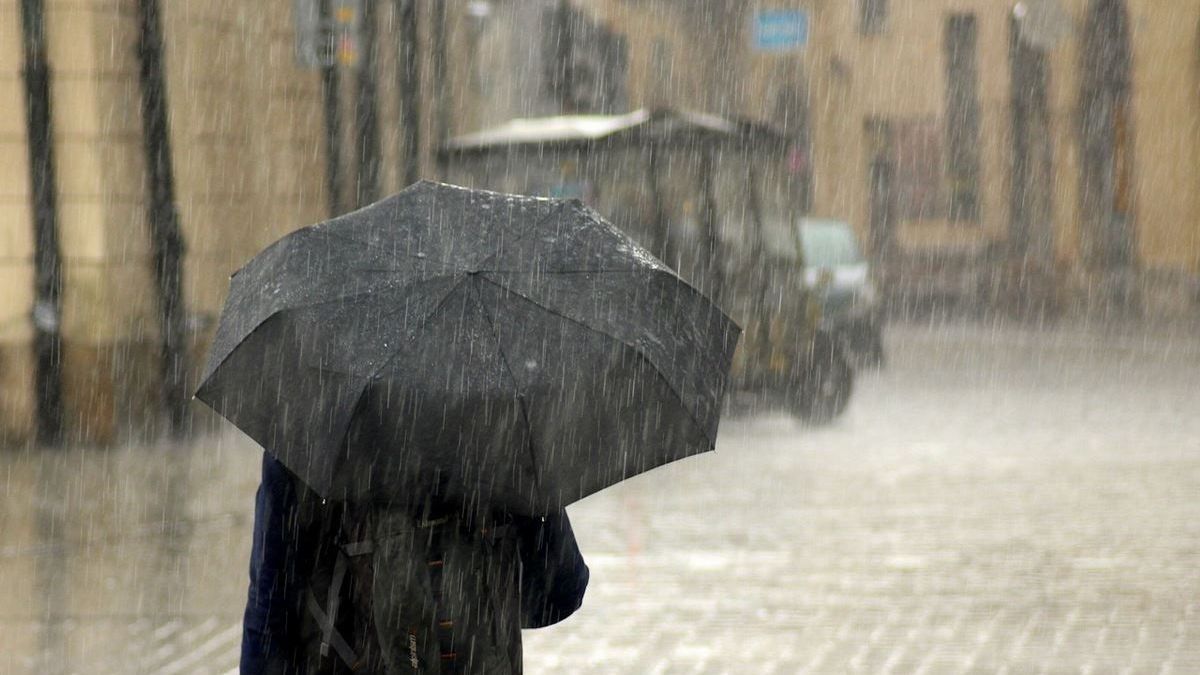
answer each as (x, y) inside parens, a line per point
(508, 351)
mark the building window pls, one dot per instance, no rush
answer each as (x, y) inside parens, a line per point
(872, 16)
(920, 191)
(586, 64)
(962, 116)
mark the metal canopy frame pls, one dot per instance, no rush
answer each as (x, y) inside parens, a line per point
(642, 127)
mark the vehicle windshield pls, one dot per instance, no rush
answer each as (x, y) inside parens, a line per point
(828, 244)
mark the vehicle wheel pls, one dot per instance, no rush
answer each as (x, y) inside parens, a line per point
(826, 388)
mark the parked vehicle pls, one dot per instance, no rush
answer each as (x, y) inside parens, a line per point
(711, 197)
(840, 276)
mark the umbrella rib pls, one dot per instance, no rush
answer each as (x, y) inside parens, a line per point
(414, 257)
(571, 236)
(324, 228)
(424, 321)
(356, 294)
(327, 229)
(633, 348)
(637, 270)
(520, 398)
(328, 301)
(523, 235)
(610, 270)
(652, 270)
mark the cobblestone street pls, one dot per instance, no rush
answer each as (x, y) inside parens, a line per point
(996, 500)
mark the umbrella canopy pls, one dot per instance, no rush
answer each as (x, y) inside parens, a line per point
(511, 352)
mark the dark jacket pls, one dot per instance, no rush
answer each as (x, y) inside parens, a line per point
(553, 576)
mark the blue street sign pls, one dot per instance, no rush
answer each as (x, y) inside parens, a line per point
(780, 30)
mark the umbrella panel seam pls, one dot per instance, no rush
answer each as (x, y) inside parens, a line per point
(340, 298)
(332, 231)
(366, 379)
(572, 236)
(516, 386)
(424, 323)
(633, 348)
(652, 270)
(633, 270)
(642, 270)
(524, 235)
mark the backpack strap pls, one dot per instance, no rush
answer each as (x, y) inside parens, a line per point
(330, 637)
(498, 532)
(358, 548)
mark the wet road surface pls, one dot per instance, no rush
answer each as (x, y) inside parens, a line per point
(997, 499)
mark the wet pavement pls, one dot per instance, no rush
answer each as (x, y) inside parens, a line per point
(998, 499)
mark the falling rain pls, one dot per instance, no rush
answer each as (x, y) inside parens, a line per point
(851, 336)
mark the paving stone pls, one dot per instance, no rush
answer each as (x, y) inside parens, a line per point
(997, 500)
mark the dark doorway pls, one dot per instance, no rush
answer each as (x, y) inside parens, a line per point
(881, 190)
(793, 113)
(1029, 281)
(960, 42)
(1106, 127)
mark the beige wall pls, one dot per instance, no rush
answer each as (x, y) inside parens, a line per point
(1166, 109)
(16, 238)
(681, 82)
(247, 133)
(249, 156)
(900, 73)
(106, 298)
(246, 130)
(1166, 102)
(1167, 116)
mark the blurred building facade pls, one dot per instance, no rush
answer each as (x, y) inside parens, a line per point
(1032, 154)
(249, 138)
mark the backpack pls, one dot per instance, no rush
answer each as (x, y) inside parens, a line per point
(391, 592)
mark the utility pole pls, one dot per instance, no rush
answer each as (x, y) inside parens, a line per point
(562, 82)
(366, 105)
(47, 261)
(441, 115)
(410, 89)
(331, 83)
(167, 244)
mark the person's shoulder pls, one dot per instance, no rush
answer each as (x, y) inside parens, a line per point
(276, 479)
(285, 490)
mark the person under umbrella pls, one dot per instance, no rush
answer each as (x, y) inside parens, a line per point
(292, 551)
(434, 378)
